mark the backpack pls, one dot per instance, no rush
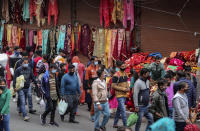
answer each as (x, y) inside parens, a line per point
(191, 127)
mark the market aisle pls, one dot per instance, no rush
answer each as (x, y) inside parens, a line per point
(17, 124)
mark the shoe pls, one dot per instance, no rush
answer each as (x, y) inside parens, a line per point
(97, 129)
(115, 126)
(26, 118)
(103, 128)
(42, 120)
(32, 111)
(54, 124)
(73, 121)
(62, 117)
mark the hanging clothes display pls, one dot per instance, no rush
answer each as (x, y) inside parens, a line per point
(53, 11)
(39, 38)
(85, 39)
(38, 11)
(108, 36)
(61, 41)
(44, 41)
(104, 11)
(5, 10)
(22, 43)
(121, 35)
(102, 42)
(27, 36)
(19, 35)
(72, 43)
(118, 11)
(128, 13)
(17, 14)
(95, 40)
(77, 33)
(52, 40)
(123, 53)
(1, 33)
(111, 47)
(26, 14)
(115, 49)
(9, 35)
(4, 41)
(67, 43)
(30, 38)
(130, 44)
(15, 36)
(32, 9)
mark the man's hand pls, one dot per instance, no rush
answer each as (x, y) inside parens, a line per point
(99, 107)
(158, 114)
(188, 122)
(136, 109)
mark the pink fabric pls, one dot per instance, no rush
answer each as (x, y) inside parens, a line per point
(15, 36)
(128, 13)
(113, 103)
(30, 37)
(170, 94)
(176, 62)
(121, 36)
(53, 11)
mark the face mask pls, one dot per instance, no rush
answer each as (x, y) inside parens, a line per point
(71, 73)
(25, 65)
(53, 71)
(122, 69)
(96, 63)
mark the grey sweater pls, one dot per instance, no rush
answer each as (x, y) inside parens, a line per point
(181, 109)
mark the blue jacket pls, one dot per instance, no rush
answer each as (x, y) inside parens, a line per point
(45, 87)
(70, 85)
(191, 94)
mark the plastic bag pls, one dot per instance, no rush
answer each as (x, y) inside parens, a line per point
(132, 119)
(42, 104)
(62, 107)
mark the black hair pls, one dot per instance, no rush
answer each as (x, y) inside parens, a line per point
(181, 85)
(187, 68)
(171, 73)
(168, 76)
(24, 54)
(38, 52)
(71, 66)
(180, 73)
(52, 66)
(28, 49)
(2, 80)
(92, 58)
(102, 67)
(24, 59)
(157, 57)
(99, 62)
(161, 82)
(7, 48)
(45, 57)
(99, 73)
(119, 63)
(143, 71)
(62, 65)
(16, 47)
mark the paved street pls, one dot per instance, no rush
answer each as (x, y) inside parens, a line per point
(17, 123)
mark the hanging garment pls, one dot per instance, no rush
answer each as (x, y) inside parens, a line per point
(85, 39)
(19, 36)
(39, 38)
(104, 11)
(5, 10)
(44, 41)
(52, 39)
(14, 36)
(27, 36)
(94, 39)
(108, 36)
(72, 43)
(127, 35)
(9, 35)
(32, 9)
(17, 14)
(118, 11)
(115, 49)
(111, 47)
(61, 41)
(102, 42)
(131, 44)
(38, 11)
(53, 11)
(1, 33)
(30, 38)
(26, 14)
(4, 41)
(77, 33)
(67, 43)
(123, 53)
(128, 13)
(121, 35)
(35, 39)
(22, 43)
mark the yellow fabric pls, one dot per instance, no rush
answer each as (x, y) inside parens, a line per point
(19, 36)
(9, 31)
(118, 11)
(101, 42)
(20, 82)
(108, 37)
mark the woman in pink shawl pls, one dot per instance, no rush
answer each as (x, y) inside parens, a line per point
(81, 69)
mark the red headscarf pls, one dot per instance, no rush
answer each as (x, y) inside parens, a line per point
(75, 59)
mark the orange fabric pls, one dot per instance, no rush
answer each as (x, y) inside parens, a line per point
(90, 72)
(39, 36)
(75, 59)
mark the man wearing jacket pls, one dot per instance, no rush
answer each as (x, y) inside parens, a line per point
(120, 85)
(70, 92)
(26, 71)
(191, 93)
(159, 102)
(141, 99)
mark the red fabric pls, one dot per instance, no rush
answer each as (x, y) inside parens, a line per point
(35, 63)
(22, 43)
(189, 55)
(176, 62)
(115, 50)
(32, 8)
(124, 50)
(66, 71)
(191, 127)
(53, 11)
(104, 11)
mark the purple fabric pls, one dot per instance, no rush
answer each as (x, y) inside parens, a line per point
(170, 94)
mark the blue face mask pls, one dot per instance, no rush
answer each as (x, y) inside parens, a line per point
(53, 71)
(25, 65)
(96, 63)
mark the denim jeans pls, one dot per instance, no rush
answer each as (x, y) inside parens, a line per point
(170, 112)
(143, 111)
(105, 111)
(22, 97)
(121, 111)
(180, 126)
(4, 124)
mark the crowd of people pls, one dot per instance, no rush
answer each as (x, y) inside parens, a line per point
(153, 93)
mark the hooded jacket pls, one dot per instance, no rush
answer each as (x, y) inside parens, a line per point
(5, 101)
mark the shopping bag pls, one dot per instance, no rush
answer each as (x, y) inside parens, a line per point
(42, 104)
(132, 119)
(62, 107)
